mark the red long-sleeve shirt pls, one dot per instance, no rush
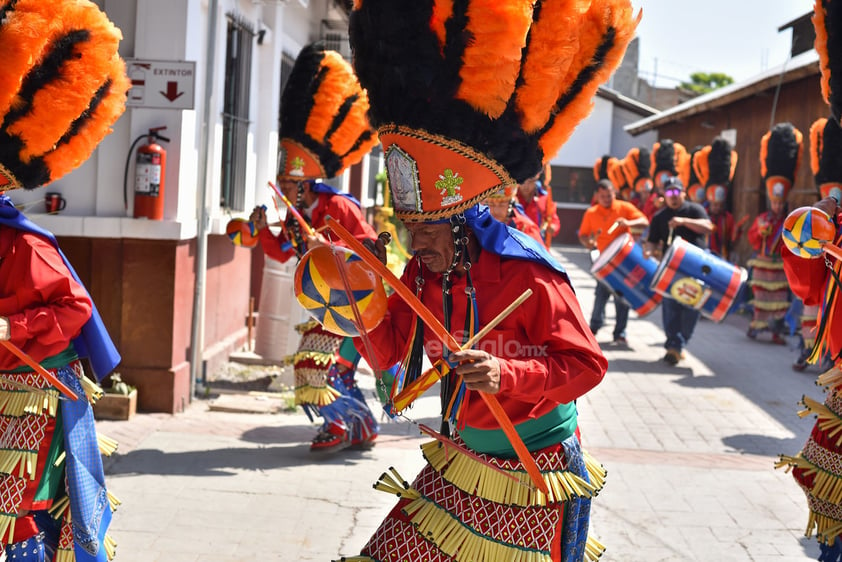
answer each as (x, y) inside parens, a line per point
(764, 235)
(342, 209)
(538, 209)
(45, 306)
(547, 353)
(526, 225)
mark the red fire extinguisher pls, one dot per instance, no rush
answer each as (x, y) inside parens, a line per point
(150, 172)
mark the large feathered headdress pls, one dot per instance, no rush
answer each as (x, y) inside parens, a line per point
(324, 121)
(825, 161)
(474, 95)
(62, 86)
(715, 165)
(780, 156)
(668, 160)
(827, 21)
(611, 169)
(635, 167)
(695, 187)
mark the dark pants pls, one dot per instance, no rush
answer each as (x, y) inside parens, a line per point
(679, 323)
(621, 309)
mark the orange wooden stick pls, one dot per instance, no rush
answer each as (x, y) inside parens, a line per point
(833, 250)
(429, 378)
(304, 224)
(23, 356)
(433, 323)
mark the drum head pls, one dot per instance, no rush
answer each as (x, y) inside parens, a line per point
(612, 250)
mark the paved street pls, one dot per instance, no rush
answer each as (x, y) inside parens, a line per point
(689, 452)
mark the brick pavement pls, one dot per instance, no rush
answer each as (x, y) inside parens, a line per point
(689, 452)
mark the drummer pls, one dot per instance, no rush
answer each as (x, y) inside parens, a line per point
(604, 221)
(690, 221)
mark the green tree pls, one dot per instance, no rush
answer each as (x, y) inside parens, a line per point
(704, 82)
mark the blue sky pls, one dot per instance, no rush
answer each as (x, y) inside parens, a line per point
(737, 37)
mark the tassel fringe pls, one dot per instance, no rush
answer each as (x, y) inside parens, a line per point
(593, 550)
(25, 462)
(16, 403)
(107, 445)
(92, 390)
(475, 477)
(320, 396)
(832, 378)
(460, 542)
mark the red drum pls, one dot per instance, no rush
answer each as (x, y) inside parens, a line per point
(624, 270)
(698, 279)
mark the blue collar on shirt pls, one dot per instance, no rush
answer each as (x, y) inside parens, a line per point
(93, 342)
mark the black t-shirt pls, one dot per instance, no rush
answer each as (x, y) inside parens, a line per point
(659, 229)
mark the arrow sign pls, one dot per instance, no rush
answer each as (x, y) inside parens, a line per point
(172, 92)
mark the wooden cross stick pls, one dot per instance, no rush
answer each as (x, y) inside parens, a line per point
(429, 378)
(23, 356)
(447, 338)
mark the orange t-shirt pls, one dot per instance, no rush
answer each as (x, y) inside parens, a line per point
(597, 220)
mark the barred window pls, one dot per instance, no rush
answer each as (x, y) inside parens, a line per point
(235, 113)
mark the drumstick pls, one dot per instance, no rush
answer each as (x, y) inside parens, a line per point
(429, 378)
(613, 227)
(833, 250)
(23, 356)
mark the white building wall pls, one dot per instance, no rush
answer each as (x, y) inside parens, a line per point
(175, 30)
(590, 140)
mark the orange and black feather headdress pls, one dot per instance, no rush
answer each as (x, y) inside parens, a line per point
(324, 121)
(780, 157)
(715, 165)
(62, 86)
(472, 95)
(668, 160)
(825, 151)
(827, 21)
(635, 167)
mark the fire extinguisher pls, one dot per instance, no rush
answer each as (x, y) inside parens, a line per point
(150, 172)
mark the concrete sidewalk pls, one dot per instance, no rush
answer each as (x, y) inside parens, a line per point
(689, 451)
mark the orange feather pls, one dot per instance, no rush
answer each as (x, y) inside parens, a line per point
(491, 61)
(701, 165)
(816, 138)
(602, 16)
(764, 150)
(442, 11)
(821, 49)
(553, 46)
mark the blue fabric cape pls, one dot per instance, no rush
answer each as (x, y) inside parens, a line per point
(319, 187)
(501, 239)
(93, 342)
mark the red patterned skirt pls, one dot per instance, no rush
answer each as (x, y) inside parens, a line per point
(459, 508)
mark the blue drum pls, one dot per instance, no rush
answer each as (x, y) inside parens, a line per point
(623, 269)
(698, 279)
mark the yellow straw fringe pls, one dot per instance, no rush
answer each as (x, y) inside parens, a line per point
(355, 559)
(110, 546)
(107, 445)
(7, 525)
(826, 486)
(828, 421)
(113, 501)
(306, 326)
(16, 403)
(831, 378)
(475, 477)
(765, 264)
(92, 390)
(318, 357)
(460, 542)
(60, 507)
(770, 306)
(593, 550)
(320, 396)
(25, 462)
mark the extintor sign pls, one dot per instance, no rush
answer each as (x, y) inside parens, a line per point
(161, 84)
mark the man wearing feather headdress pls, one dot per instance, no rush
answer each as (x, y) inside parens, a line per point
(780, 156)
(63, 86)
(817, 282)
(471, 98)
(324, 129)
